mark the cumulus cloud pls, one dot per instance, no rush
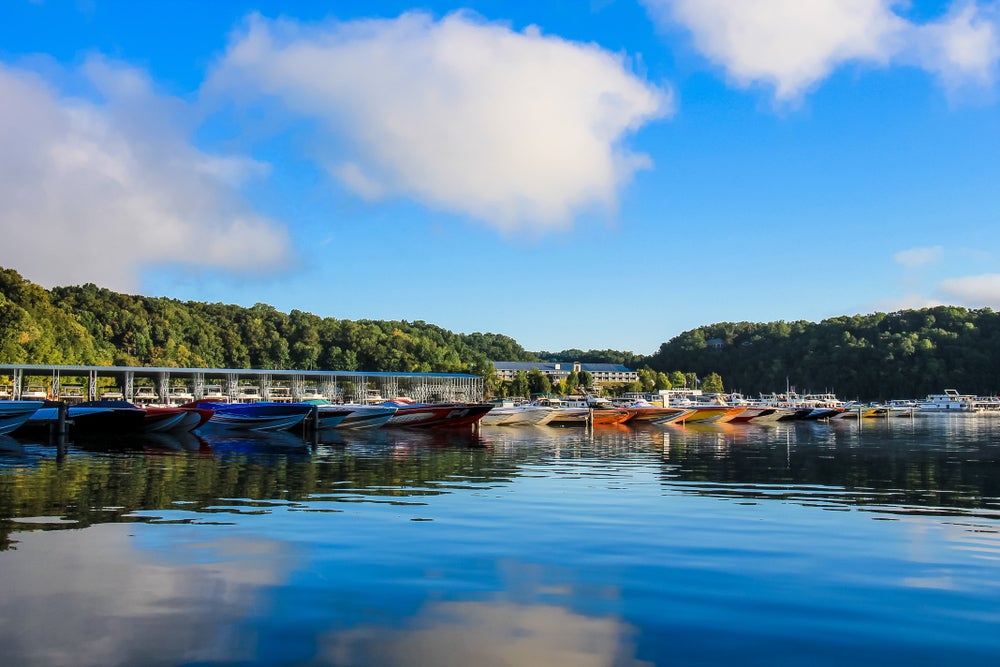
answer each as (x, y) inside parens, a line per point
(916, 257)
(513, 128)
(962, 49)
(973, 291)
(94, 191)
(792, 45)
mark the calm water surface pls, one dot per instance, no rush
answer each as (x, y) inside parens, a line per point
(791, 544)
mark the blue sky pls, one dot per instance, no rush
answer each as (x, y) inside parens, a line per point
(592, 175)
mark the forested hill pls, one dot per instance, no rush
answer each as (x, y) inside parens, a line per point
(884, 355)
(91, 325)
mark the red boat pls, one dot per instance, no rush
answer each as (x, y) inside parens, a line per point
(435, 415)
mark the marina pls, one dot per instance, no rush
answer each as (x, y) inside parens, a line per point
(181, 385)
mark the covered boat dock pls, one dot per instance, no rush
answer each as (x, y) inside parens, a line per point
(166, 385)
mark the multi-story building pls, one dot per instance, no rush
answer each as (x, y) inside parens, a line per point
(601, 374)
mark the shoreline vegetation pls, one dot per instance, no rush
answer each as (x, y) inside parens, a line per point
(877, 356)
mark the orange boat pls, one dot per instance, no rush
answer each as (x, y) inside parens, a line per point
(716, 414)
(651, 413)
(604, 416)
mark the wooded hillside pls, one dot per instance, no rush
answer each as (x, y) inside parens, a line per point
(908, 353)
(91, 325)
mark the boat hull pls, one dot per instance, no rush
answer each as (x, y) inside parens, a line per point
(350, 416)
(88, 420)
(13, 414)
(436, 415)
(255, 416)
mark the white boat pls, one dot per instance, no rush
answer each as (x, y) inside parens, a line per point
(179, 395)
(950, 401)
(72, 394)
(510, 413)
(214, 393)
(112, 394)
(35, 392)
(145, 396)
(15, 413)
(249, 394)
(279, 395)
(563, 414)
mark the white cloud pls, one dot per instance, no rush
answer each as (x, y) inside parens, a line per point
(96, 191)
(961, 48)
(913, 301)
(916, 257)
(973, 291)
(516, 129)
(487, 633)
(792, 45)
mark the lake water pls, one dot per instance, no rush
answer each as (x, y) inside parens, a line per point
(790, 544)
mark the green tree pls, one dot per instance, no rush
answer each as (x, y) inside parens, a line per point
(712, 384)
(647, 379)
(538, 382)
(519, 385)
(662, 381)
(572, 383)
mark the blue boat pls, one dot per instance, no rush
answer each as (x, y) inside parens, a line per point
(14, 413)
(263, 416)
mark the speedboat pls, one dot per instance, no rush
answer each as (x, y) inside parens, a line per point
(176, 419)
(644, 411)
(509, 413)
(350, 415)
(435, 415)
(262, 416)
(94, 417)
(14, 413)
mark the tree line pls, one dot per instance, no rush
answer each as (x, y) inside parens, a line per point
(90, 325)
(880, 356)
(869, 357)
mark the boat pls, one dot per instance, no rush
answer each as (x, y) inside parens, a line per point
(15, 413)
(176, 419)
(89, 418)
(643, 411)
(513, 413)
(350, 415)
(435, 415)
(145, 396)
(675, 418)
(598, 411)
(214, 393)
(563, 414)
(950, 401)
(260, 416)
(179, 395)
(248, 394)
(72, 394)
(279, 394)
(312, 394)
(712, 414)
(35, 392)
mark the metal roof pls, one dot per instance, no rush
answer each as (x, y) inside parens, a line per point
(45, 369)
(550, 366)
